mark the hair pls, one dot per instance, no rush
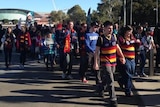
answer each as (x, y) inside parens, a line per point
(138, 27)
(123, 30)
(7, 30)
(107, 23)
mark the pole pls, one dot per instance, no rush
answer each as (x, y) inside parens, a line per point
(131, 12)
(156, 11)
(124, 8)
(151, 62)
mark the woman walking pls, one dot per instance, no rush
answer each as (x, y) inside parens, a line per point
(8, 40)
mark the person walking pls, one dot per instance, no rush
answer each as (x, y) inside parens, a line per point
(127, 43)
(8, 40)
(91, 38)
(49, 51)
(137, 35)
(147, 45)
(156, 38)
(83, 55)
(23, 45)
(70, 47)
(107, 47)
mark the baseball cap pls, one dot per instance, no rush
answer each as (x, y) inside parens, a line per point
(94, 24)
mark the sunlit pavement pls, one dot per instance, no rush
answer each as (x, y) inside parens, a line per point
(36, 87)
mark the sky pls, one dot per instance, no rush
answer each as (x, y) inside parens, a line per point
(49, 5)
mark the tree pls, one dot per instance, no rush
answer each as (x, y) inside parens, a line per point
(58, 16)
(77, 14)
(5, 21)
(109, 10)
(14, 21)
(143, 11)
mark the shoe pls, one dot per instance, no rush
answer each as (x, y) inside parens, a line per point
(120, 84)
(69, 77)
(21, 66)
(84, 80)
(136, 75)
(113, 104)
(143, 75)
(127, 94)
(100, 93)
(63, 76)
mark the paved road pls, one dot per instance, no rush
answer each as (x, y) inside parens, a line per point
(36, 87)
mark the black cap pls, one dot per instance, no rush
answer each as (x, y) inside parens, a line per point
(94, 24)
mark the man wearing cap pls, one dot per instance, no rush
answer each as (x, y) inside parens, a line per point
(91, 40)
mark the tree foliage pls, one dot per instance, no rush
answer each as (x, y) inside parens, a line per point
(142, 11)
(58, 16)
(109, 10)
(77, 14)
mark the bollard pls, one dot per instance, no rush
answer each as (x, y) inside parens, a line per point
(151, 62)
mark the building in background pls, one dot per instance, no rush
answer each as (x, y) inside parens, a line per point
(11, 16)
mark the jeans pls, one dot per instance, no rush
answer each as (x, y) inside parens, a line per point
(157, 57)
(61, 57)
(23, 56)
(142, 61)
(50, 58)
(8, 56)
(67, 65)
(83, 66)
(127, 71)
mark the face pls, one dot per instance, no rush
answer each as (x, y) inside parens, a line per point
(108, 30)
(140, 30)
(128, 33)
(95, 28)
(9, 30)
(23, 29)
(71, 25)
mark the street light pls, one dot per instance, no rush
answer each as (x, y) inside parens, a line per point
(131, 13)
(156, 11)
(124, 8)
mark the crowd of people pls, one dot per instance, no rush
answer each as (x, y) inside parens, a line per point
(102, 49)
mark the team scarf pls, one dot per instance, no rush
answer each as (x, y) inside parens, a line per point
(67, 47)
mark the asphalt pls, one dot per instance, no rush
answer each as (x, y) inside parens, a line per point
(35, 87)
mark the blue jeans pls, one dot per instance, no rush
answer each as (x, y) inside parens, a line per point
(127, 70)
(67, 63)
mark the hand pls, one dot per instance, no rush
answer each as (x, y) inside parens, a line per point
(77, 51)
(6, 43)
(96, 67)
(58, 46)
(122, 60)
(157, 45)
(138, 41)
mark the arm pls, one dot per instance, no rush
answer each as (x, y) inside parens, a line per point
(96, 57)
(119, 52)
(87, 41)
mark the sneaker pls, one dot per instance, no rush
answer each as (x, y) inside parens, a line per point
(143, 75)
(63, 76)
(21, 66)
(113, 104)
(120, 84)
(127, 94)
(84, 80)
(136, 75)
(69, 77)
